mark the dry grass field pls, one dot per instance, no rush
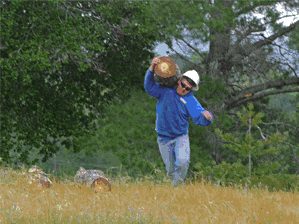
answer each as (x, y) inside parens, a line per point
(144, 201)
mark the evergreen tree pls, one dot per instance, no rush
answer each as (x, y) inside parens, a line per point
(248, 146)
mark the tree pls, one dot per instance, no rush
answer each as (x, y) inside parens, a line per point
(289, 154)
(47, 80)
(251, 147)
(239, 52)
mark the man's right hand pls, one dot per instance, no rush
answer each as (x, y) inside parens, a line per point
(154, 63)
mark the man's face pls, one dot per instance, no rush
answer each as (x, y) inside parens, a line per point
(182, 91)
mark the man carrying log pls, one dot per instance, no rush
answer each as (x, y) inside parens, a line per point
(174, 107)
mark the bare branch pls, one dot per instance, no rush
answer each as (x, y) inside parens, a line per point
(180, 46)
(280, 33)
(257, 72)
(280, 124)
(280, 47)
(260, 95)
(265, 106)
(268, 85)
(289, 67)
(197, 51)
(261, 132)
(233, 84)
(238, 55)
(182, 57)
(286, 16)
(247, 33)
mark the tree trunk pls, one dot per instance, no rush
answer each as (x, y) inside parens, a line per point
(249, 152)
(218, 65)
(56, 166)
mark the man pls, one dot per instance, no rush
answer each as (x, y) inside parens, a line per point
(174, 107)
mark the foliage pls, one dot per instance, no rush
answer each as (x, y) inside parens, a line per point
(98, 151)
(235, 47)
(68, 77)
(47, 79)
(293, 152)
(251, 146)
(244, 147)
(293, 40)
(241, 59)
(127, 132)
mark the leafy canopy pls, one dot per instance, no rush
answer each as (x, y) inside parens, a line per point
(47, 78)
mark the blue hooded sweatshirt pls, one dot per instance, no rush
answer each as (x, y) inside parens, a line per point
(173, 111)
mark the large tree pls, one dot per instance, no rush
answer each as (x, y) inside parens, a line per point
(47, 80)
(241, 64)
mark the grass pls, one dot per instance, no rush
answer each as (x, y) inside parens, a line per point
(149, 199)
(144, 200)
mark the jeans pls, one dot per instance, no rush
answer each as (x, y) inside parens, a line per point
(176, 156)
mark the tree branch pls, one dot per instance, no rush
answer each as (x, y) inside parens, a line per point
(267, 85)
(289, 67)
(247, 33)
(234, 84)
(280, 47)
(179, 45)
(197, 51)
(280, 33)
(286, 16)
(261, 132)
(257, 72)
(246, 9)
(280, 124)
(291, 145)
(182, 57)
(260, 95)
(259, 44)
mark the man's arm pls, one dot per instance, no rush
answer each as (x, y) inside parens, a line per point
(150, 85)
(199, 115)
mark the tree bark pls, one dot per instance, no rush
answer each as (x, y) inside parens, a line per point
(256, 91)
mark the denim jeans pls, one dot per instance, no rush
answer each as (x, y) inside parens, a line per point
(176, 156)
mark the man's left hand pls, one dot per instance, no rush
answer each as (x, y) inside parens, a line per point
(207, 115)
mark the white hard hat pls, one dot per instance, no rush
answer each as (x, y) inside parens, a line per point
(193, 75)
